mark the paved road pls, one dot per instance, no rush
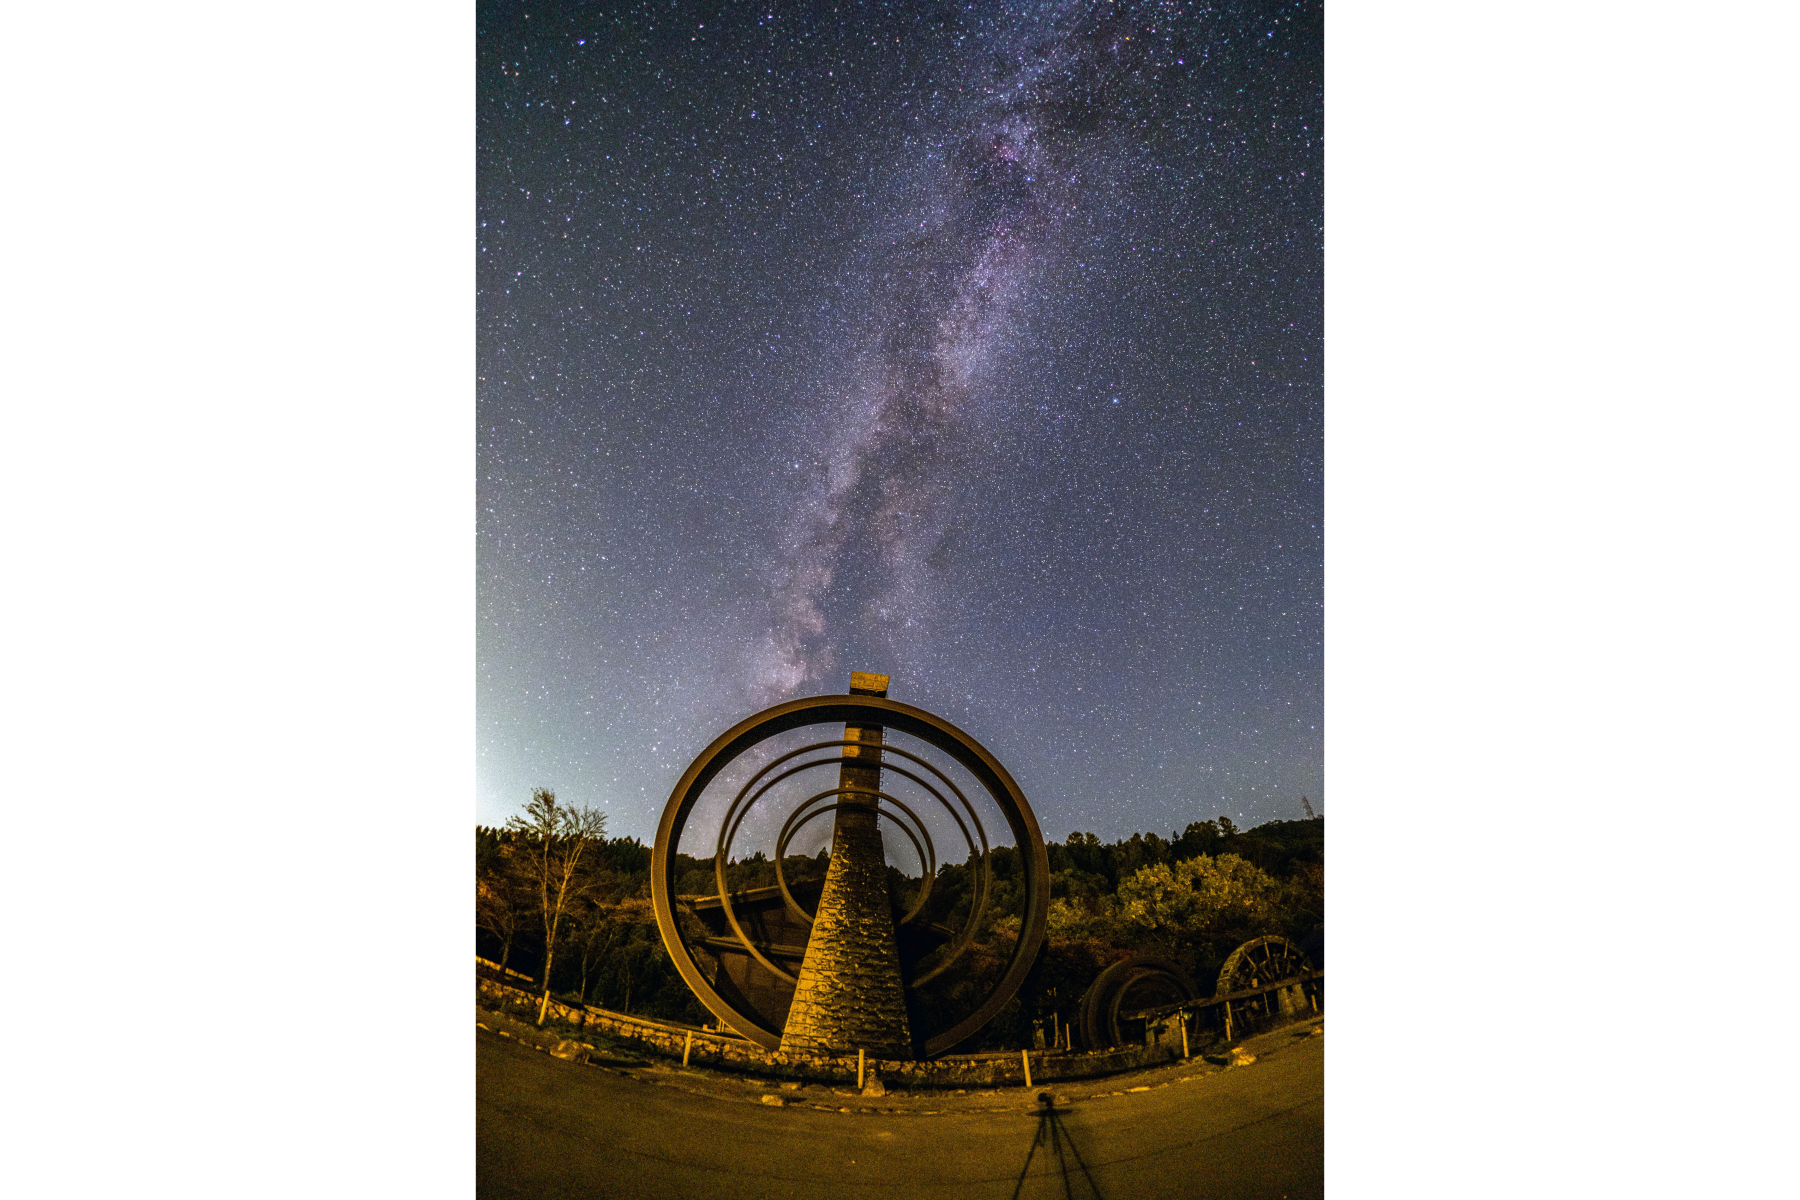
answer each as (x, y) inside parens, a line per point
(547, 1129)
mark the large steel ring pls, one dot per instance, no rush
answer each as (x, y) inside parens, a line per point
(863, 711)
(746, 798)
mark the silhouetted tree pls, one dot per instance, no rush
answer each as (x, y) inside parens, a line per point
(557, 836)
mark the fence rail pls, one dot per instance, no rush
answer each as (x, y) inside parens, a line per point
(1163, 1010)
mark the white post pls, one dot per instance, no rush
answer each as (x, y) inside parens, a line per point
(686, 1047)
(859, 1070)
(1025, 1057)
(1184, 1045)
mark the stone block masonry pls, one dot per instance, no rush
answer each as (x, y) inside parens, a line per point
(851, 995)
(728, 1052)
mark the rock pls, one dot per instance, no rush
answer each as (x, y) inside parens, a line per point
(773, 1101)
(872, 1085)
(1241, 1057)
(790, 1087)
(570, 1050)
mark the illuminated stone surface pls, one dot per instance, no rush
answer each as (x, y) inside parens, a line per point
(851, 996)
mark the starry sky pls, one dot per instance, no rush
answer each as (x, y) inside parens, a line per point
(976, 344)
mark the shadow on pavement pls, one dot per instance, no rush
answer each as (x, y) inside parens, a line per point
(1053, 1136)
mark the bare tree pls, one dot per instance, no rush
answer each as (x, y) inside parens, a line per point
(558, 836)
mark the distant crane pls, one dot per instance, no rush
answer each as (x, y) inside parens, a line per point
(1310, 814)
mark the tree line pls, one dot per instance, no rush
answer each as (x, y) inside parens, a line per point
(561, 903)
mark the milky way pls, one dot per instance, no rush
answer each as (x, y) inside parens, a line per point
(971, 344)
(948, 270)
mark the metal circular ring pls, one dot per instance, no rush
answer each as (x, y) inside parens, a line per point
(855, 710)
(927, 853)
(832, 808)
(1098, 1014)
(734, 817)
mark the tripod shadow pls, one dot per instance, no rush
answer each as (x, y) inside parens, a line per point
(1053, 1137)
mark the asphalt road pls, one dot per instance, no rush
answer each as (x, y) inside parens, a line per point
(547, 1128)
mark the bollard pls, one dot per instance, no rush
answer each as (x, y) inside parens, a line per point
(1025, 1057)
(859, 1070)
(1184, 1045)
(687, 1047)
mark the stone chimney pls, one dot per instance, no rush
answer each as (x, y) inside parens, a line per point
(850, 996)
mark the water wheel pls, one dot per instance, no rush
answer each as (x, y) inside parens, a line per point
(1109, 1008)
(1258, 963)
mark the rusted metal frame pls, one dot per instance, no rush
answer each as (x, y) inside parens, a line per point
(927, 851)
(1118, 996)
(734, 818)
(733, 946)
(847, 760)
(1099, 1013)
(744, 896)
(1224, 998)
(850, 709)
(927, 864)
(983, 882)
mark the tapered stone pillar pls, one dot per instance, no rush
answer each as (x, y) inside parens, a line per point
(850, 996)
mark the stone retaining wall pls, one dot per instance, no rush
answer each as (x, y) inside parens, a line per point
(495, 967)
(724, 1051)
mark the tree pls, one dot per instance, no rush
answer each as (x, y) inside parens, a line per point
(500, 904)
(1200, 837)
(558, 836)
(496, 910)
(599, 932)
(1203, 898)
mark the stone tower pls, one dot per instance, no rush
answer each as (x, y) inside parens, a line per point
(850, 995)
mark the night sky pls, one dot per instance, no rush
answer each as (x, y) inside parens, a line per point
(974, 344)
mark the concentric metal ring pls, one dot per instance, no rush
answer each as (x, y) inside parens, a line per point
(745, 800)
(921, 843)
(860, 711)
